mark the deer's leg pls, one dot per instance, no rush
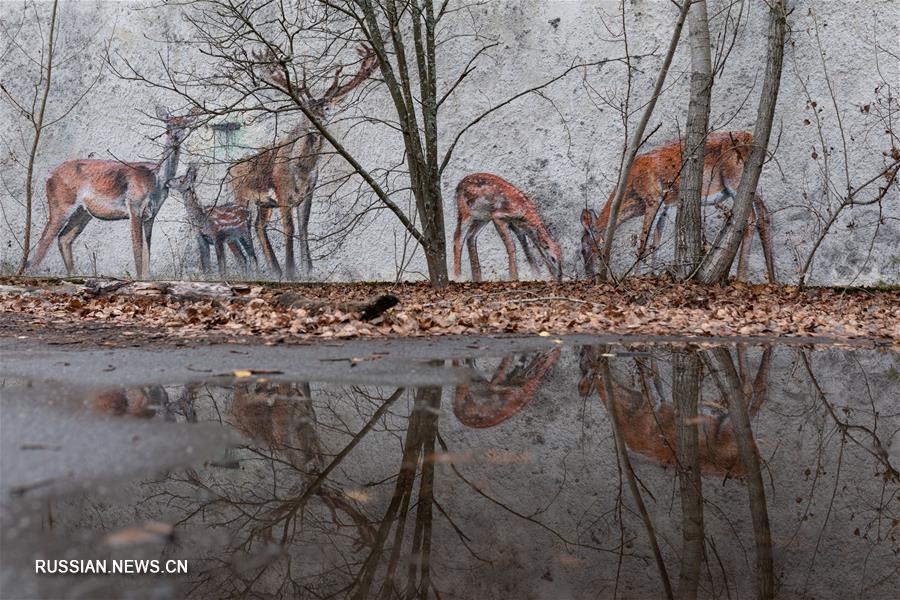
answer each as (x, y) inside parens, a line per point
(145, 254)
(56, 220)
(287, 222)
(526, 247)
(262, 218)
(657, 234)
(303, 213)
(501, 374)
(247, 243)
(457, 246)
(203, 247)
(137, 239)
(220, 257)
(237, 252)
(72, 229)
(503, 230)
(472, 245)
(763, 227)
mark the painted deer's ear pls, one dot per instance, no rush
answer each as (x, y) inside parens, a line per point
(587, 218)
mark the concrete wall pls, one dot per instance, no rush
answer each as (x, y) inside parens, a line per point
(562, 148)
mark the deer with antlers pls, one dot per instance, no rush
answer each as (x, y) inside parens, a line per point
(284, 175)
(110, 190)
(216, 226)
(652, 190)
(482, 198)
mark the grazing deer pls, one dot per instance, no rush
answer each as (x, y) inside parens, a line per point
(482, 403)
(284, 175)
(482, 198)
(649, 427)
(652, 190)
(111, 190)
(216, 226)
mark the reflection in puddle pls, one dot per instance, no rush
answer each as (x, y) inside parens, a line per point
(584, 472)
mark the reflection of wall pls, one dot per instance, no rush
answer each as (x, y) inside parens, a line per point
(563, 166)
(555, 461)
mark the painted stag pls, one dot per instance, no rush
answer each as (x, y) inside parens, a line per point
(111, 190)
(652, 191)
(482, 198)
(284, 175)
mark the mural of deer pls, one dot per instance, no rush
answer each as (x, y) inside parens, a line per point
(649, 426)
(216, 226)
(284, 175)
(111, 190)
(482, 403)
(483, 198)
(652, 190)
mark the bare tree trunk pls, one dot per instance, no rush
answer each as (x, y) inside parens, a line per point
(717, 264)
(686, 367)
(688, 223)
(38, 122)
(635, 143)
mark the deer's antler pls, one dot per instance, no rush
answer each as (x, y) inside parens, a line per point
(368, 64)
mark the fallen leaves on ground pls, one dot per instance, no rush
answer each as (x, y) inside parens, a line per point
(640, 306)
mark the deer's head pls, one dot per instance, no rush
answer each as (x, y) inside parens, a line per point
(177, 126)
(324, 105)
(591, 240)
(185, 182)
(552, 255)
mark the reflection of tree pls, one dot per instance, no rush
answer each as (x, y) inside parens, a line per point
(418, 458)
(676, 433)
(284, 506)
(481, 403)
(866, 437)
(720, 364)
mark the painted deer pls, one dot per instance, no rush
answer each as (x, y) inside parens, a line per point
(284, 175)
(483, 198)
(652, 191)
(216, 226)
(482, 403)
(111, 190)
(649, 425)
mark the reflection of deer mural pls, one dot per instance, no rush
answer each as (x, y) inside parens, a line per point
(216, 226)
(110, 190)
(482, 198)
(649, 427)
(284, 175)
(282, 416)
(145, 402)
(481, 403)
(652, 190)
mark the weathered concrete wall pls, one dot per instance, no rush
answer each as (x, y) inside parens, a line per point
(562, 148)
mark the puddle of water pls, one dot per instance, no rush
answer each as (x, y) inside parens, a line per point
(572, 472)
